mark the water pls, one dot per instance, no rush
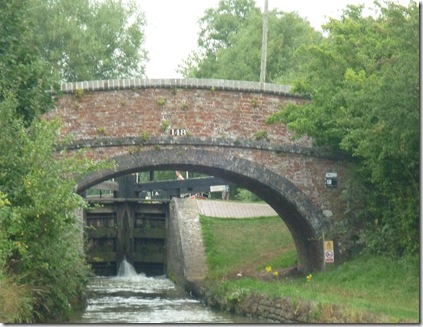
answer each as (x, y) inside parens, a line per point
(136, 298)
(126, 269)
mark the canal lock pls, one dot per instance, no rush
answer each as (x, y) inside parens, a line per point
(121, 225)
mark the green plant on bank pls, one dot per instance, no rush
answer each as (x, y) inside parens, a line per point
(366, 289)
(40, 243)
(16, 299)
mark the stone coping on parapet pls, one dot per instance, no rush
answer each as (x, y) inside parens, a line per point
(198, 83)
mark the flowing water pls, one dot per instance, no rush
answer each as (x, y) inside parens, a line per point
(136, 298)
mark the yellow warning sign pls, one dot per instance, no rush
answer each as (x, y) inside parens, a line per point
(328, 245)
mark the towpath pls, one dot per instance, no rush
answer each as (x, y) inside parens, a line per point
(229, 209)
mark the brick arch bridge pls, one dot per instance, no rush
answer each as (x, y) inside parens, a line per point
(212, 126)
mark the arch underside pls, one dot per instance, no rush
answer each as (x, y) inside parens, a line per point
(304, 220)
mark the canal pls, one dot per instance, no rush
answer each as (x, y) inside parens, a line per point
(137, 298)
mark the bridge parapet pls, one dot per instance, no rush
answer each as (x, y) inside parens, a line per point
(195, 109)
(216, 84)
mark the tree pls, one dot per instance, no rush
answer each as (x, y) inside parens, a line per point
(230, 43)
(40, 235)
(88, 40)
(22, 71)
(363, 81)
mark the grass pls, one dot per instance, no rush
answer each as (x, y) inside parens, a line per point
(232, 244)
(16, 301)
(380, 286)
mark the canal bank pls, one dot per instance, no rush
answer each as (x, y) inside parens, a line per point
(295, 299)
(188, 266)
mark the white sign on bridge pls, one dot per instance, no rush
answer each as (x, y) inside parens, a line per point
(178, 131)
(218, 188)
(329, 253)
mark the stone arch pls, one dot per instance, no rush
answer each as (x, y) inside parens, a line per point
(304, 220)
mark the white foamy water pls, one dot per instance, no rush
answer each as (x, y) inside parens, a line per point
(136, 298)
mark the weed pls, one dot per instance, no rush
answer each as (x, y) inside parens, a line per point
(101, 131)
(16, 301)
(260, 135)
(136, 150)
(254, 102)
(144, 136)
(161, 102)
(79, 93)
(164, 125)
(185, 106)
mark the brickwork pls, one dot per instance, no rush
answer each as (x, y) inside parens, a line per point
(211, 126)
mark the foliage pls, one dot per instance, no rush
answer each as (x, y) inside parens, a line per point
(22, 71)
(40, 234)
(363, 80)
(16, 300)
(245, 195)
(89, 40)
(42, 264)
(230, 43)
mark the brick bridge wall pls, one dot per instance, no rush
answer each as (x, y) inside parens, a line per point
(212, 126)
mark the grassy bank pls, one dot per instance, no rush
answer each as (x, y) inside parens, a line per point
(238, 251)
(16, 300)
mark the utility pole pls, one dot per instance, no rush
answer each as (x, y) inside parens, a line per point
(264, 44)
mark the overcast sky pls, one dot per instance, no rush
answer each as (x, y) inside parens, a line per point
(172, 30)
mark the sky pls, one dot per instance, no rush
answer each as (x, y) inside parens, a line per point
(172, 30)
